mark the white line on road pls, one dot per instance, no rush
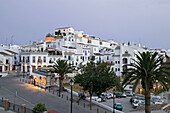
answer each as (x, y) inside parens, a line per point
(19, 96)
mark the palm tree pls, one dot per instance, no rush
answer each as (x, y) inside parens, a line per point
(147, 69)
(62, 68)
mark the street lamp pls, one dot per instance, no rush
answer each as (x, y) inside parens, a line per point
(71, 84)
(113, 100)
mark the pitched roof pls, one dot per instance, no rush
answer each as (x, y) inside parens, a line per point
(11, 51)
(126, 55)
(3, 53)
(63, 28)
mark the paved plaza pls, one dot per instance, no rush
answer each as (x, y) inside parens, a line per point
(31, 95)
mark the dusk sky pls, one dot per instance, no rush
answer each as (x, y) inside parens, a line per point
(140, 21)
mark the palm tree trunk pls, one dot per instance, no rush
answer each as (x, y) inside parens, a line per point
(61, 85)
(147, 102)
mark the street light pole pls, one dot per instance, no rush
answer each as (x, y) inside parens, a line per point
(113, 101)
(71, 84)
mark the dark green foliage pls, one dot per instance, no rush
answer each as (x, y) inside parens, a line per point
(96, 78)
(62, 68)
(39, 108)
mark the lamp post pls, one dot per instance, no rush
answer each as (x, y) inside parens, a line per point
(113, 100)
(71, 84)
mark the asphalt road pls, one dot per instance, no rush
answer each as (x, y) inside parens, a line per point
(124, 101)
(31, 95)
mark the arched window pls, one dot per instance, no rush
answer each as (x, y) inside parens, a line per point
(124, 67)
(125, 60)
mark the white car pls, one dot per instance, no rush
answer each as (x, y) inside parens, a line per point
(96, 98)
(109, 95)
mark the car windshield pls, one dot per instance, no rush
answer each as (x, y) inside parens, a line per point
(119, 105)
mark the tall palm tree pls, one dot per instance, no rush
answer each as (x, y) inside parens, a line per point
(62, 68)
(147, 69)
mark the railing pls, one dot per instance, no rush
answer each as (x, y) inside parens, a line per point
(15, 107)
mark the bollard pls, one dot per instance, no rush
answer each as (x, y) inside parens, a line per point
(20, 79)
(14, 107)
(23, 108)
(6, 105)
(62, 96)
(18, 110)
(84, 105)
(97, 110)
(2, 99)
(53, 91)
(105, 112)
(67, 98)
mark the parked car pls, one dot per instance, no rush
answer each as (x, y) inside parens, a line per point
(118, 106)
(157, 101)
(96, 98)
(109, 95)
(123, 95)
(129, 93)
(118, 94)
(103, 98)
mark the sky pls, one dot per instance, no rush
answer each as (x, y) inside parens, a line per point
(140, 21)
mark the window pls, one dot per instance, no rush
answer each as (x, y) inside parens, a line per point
(89, 41)
(50, 60)
(44, 59)
(28, 59)
(124, 67)
(107, 57)
(7, 61)
(32, 60)
(93, 57)
(72, 40)
(23, 59)
(85, 52)
(126, 52)
(39, 60)
(69, 57)
(100, 43)
(124, 60)
(118, 62)
(118, 69)
(65, 56)
(77, 58)
(0, 68)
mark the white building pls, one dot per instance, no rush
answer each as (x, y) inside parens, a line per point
(5, 62)
(67, 44)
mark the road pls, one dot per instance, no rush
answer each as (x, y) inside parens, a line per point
(31, 95)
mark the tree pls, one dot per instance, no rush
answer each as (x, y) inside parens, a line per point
(39, 108)
(147, 69)
(48, 35)
(62, 68)
(96, 78)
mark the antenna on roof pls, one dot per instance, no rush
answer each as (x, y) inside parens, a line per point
(12, 40)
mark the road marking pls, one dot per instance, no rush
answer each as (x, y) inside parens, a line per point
(19, 96)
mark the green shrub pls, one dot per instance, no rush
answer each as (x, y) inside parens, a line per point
(39, 108)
